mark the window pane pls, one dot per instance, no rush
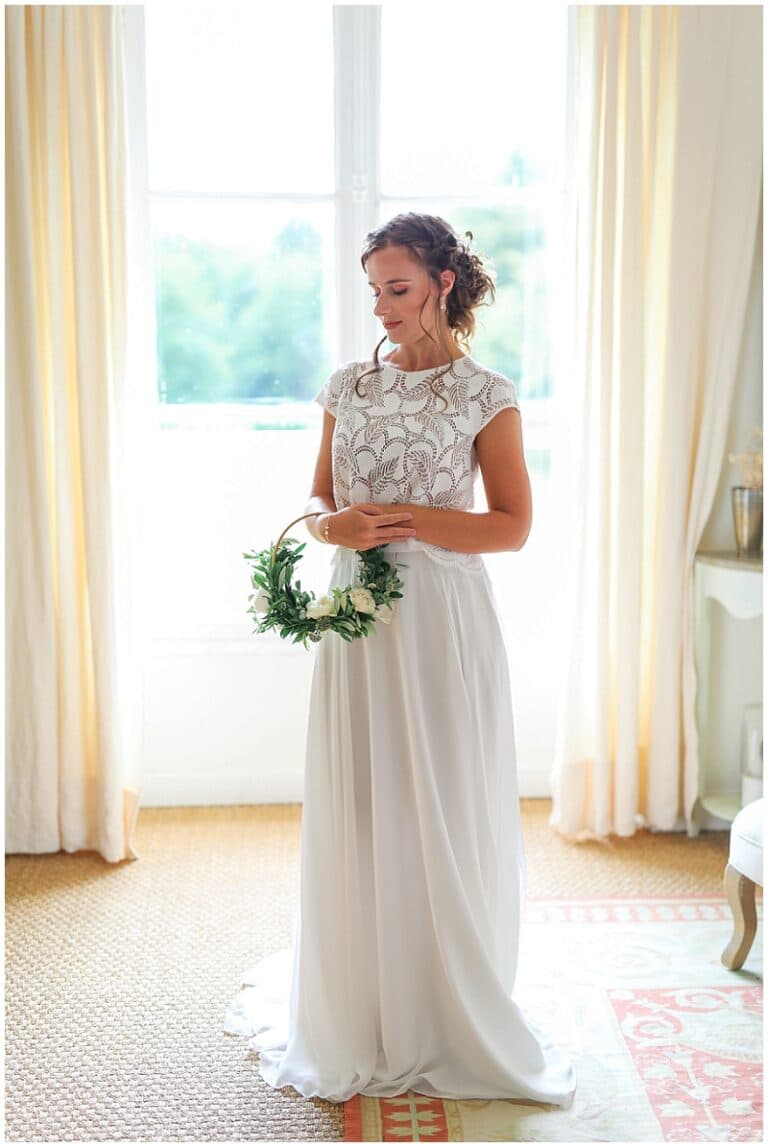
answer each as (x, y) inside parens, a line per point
(473, 105)
(242, 293)
(238, 99)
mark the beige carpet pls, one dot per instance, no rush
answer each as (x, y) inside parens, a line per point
(117, 975)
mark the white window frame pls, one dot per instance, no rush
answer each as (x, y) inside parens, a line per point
(358, 196)
(357, 41)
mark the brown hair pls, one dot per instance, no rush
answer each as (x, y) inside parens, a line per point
(435, 245)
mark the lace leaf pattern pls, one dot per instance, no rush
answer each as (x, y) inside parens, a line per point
(401, 443)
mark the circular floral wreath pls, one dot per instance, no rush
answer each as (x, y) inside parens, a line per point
(350, 612)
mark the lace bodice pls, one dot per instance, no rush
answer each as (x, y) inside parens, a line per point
(401, 443)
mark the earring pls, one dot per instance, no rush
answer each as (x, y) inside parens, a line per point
(442, 305)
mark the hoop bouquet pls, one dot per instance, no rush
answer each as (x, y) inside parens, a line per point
(299, 615)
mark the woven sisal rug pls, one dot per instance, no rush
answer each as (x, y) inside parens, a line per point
(116, 976)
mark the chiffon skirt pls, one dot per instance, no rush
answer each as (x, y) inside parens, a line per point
(412, 869)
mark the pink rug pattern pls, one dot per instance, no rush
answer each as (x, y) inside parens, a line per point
(667, 1042)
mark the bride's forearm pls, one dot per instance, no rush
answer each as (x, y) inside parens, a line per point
(468, 531)
(322, 504)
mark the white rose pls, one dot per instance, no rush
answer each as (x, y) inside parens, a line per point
(261, 603)
(362, 600)
(324, 606)
(384, 613)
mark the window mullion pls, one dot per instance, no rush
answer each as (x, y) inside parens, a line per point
(142, 304)
(357, 70)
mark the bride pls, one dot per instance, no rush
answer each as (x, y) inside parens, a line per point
(412, 873)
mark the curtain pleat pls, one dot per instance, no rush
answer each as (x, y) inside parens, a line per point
(73, 673)
(665, 141)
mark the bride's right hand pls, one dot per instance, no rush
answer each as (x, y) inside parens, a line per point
(365, 525)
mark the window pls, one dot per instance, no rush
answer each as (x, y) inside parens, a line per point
(241, 180)
(272, 149)
(486, 156)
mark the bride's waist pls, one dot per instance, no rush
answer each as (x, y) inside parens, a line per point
(416, 545)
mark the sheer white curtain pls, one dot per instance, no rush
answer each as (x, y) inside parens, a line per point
(73, 677)
(665, 131)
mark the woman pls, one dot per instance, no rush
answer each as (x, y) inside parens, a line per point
(412, 862)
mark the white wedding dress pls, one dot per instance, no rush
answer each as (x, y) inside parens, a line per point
(412, 876)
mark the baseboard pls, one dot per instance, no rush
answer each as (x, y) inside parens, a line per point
(286, 786)
(276, 786)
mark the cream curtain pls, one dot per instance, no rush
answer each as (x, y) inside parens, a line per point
(73, 661)
(665, 133)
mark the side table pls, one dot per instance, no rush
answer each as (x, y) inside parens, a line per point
(737, 583)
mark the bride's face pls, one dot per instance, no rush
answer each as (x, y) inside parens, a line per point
(399, 286)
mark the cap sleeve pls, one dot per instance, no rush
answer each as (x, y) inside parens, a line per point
(497, 393)
(330, 393)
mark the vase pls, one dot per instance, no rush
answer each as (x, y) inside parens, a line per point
(747, 506)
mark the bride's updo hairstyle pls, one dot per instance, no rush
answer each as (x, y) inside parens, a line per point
(435, 245)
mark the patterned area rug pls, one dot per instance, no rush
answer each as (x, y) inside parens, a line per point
(667, 1042)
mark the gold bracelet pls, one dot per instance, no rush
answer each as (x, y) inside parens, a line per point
(325, 527)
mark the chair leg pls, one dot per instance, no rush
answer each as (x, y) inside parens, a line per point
(740, 891)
